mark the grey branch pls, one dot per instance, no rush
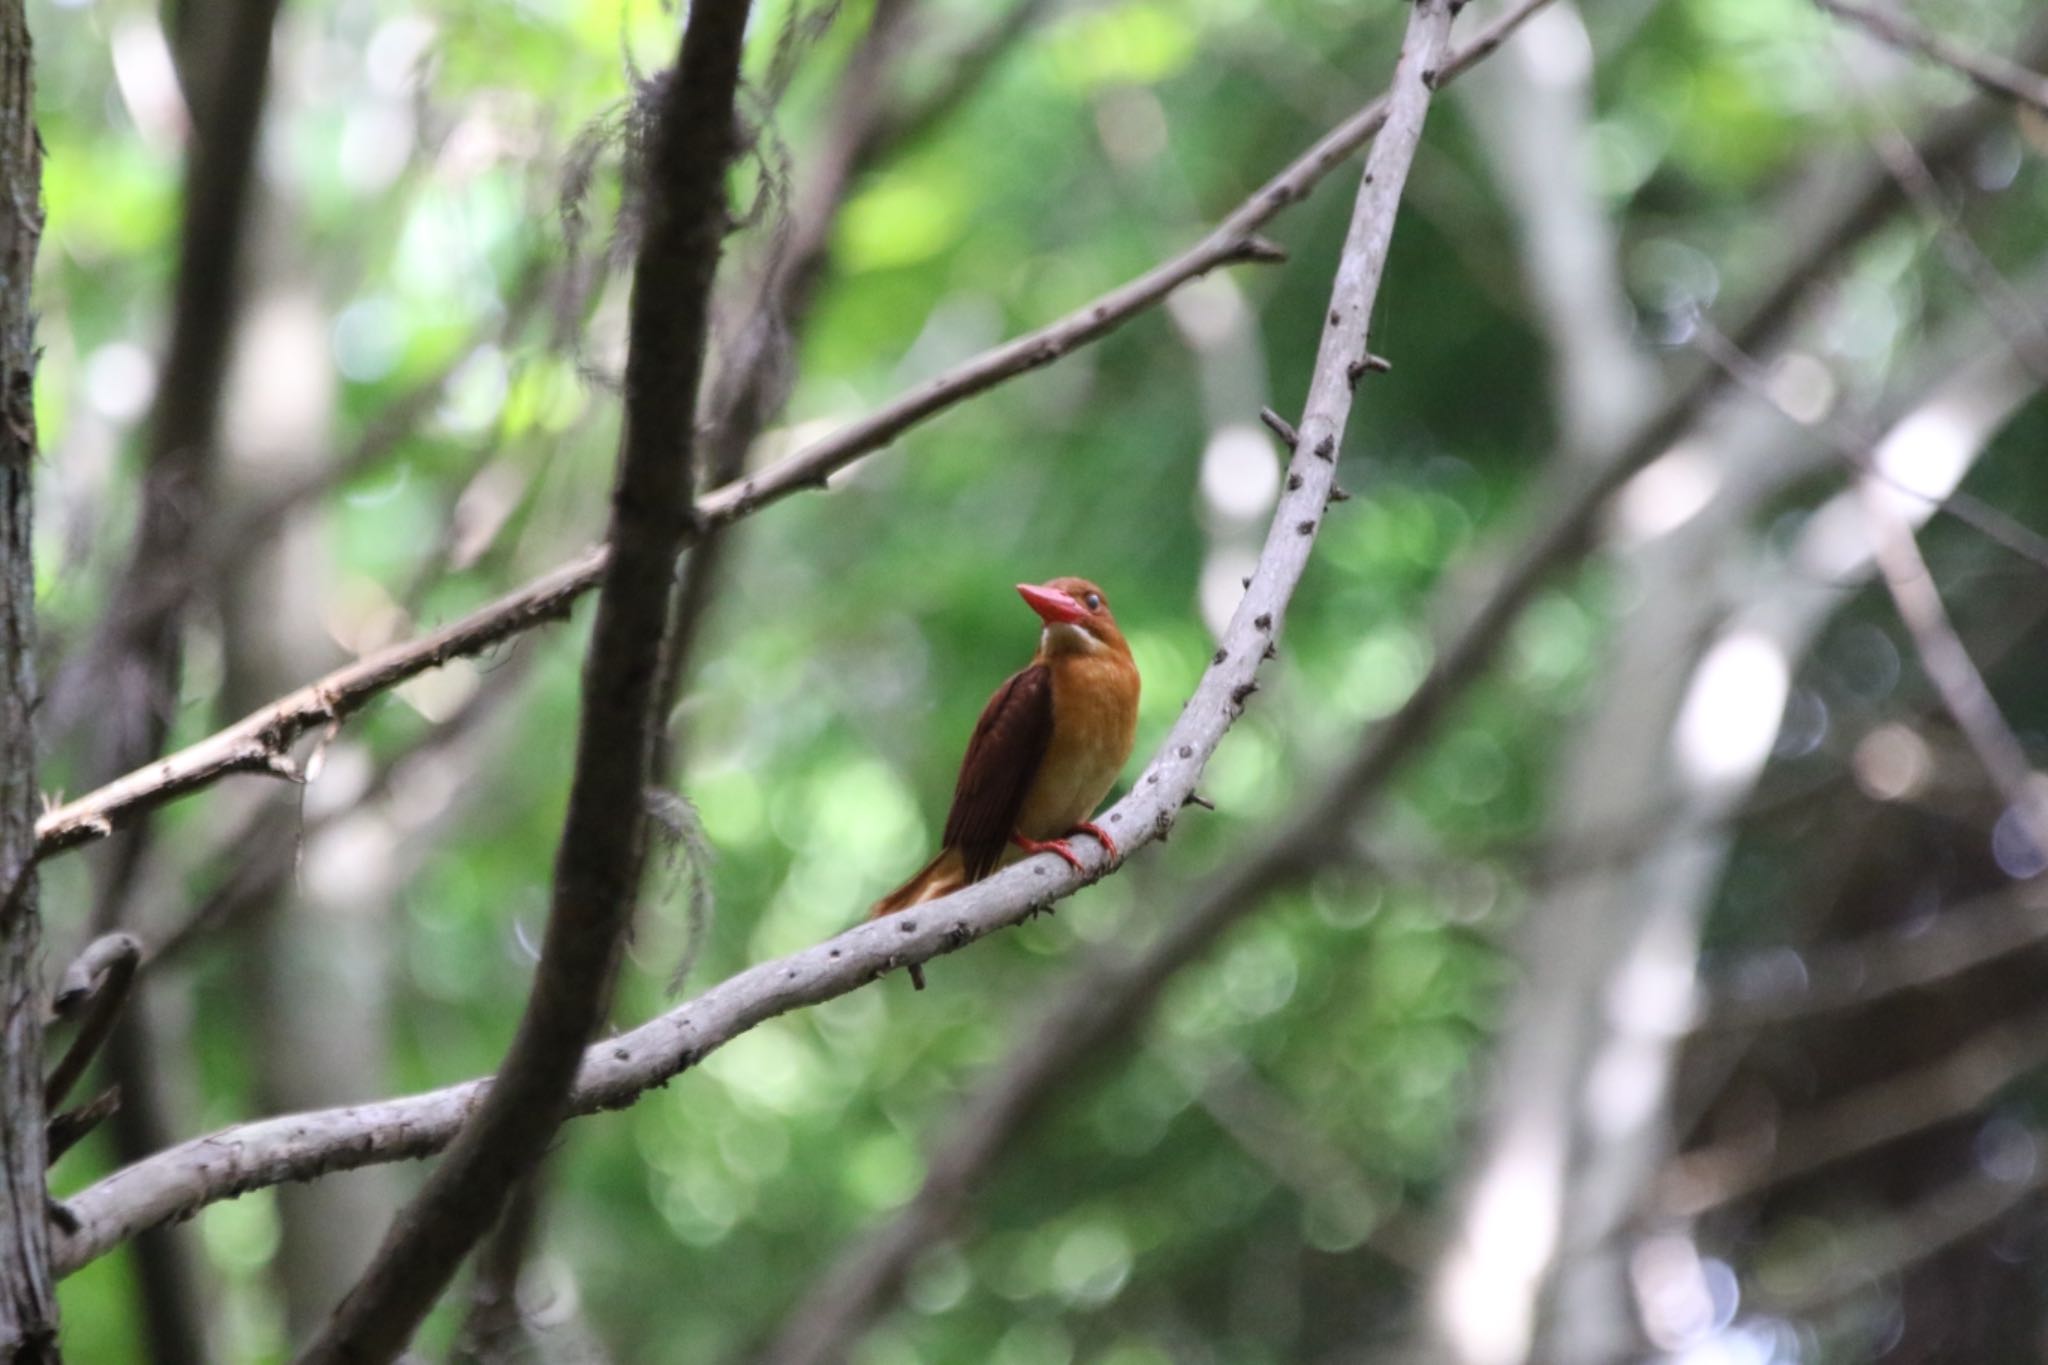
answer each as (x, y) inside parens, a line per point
(614, 1073)
(2008, 80)
(95, 985)
(604, 836)
(259, 742)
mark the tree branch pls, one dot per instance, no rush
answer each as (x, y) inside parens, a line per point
(614, 1073)
(2007, 80)
(258, 742)
(603, 850)
(98, 981)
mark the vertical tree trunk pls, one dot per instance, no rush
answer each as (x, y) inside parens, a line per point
(28, 1300)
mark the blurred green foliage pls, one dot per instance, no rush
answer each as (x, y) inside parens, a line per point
(414, 168)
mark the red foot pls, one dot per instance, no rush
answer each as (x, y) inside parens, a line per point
(1116, 855)
(1058, 846)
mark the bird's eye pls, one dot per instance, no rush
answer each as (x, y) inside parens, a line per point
(1094, 602)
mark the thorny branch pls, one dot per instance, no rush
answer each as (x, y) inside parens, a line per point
(614, 1073)
(260, 741)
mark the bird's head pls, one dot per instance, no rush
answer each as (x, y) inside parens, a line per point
(1076, 615)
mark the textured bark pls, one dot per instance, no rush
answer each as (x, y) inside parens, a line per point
(28, 1301)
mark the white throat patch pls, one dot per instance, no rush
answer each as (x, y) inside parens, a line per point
(1064, 637)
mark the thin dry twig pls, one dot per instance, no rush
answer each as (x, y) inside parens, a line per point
(258, 743)
(1995, 75)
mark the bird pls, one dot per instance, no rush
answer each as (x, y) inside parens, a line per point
(1047, 748)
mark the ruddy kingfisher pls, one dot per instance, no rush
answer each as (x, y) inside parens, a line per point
(1048, 746)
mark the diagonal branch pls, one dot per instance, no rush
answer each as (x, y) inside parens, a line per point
(617, 1071)
(258, 742)
(2007, 80)
(604, 836)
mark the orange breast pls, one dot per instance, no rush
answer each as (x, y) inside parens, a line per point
(1094, 722)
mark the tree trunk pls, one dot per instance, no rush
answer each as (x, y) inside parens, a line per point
(28, 1300)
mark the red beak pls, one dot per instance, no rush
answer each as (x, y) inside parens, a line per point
(1052, 605)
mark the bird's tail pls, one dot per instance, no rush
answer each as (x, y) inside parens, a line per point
(941, 876)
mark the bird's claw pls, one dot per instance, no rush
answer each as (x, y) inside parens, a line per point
(1059, 846)
(1116, 855)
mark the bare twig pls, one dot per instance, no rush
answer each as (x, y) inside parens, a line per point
(494, 1328)
(603, 850)
(756, 369)
(257, 742)
(615, 1072)
(97, 982)
(1995, 75)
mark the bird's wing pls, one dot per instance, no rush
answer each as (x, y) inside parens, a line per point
(1009, 743)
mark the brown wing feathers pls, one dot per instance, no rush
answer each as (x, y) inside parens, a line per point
(1009, 743)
